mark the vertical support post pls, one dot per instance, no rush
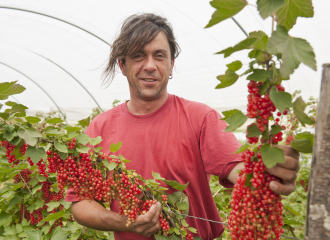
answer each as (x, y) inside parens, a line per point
(318, 205)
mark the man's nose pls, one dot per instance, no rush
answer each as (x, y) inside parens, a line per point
(150, 64)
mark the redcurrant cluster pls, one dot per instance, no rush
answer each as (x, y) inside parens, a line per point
(71, 145)
(42, 168)
(25, 174)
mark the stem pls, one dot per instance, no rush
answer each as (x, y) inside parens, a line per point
(217, 192)
(4, 120)
(25, 183)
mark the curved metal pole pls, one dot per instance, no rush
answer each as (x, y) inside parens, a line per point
(45, 15)
(38, 86)
(73, 78)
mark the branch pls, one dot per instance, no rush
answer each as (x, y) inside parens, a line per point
(25, 183)
(4, 120)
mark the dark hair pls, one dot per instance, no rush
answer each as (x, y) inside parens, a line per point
(136, 32)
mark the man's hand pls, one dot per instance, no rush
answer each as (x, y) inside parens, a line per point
(287, 171)
(147, 224)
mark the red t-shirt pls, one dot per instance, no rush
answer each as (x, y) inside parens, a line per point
(183, 141)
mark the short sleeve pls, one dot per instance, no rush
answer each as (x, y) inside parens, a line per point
(217, 147)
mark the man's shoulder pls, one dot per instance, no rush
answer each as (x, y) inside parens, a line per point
(108, 115)
(193, 106)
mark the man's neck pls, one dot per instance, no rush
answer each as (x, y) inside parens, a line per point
(143, 107)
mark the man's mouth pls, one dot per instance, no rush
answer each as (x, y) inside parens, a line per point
(148, 79)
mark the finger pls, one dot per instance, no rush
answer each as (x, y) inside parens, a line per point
(284, 188)
(155, 220)
(284, 174)
(288, 151)
(290, 163)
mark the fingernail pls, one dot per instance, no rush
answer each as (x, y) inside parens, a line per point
(273, 186)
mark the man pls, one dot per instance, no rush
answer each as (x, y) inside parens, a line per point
(180, 139)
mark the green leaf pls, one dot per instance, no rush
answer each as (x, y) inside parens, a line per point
(292, 221)
(59, 234)
(176, 185)
(9, 127)
(31, 119)
(228, 113)
(242, 148)
(225, 9)
(36, 188)
(293, 51)
(29, 135)
(83, 139)
(111, 166)
(52, 205)
(34, 234)
(302, 145)
(263, 88)
(281, 100)
(115, 147)
(235, 66)
(292, 9)
(18, 185)
(72, 129)
(5, 218)
(299, 107)
(10, 104)
(9, 135)
(5, 116)
(268, 7)
(235, 120)
(193, 230)
(53, 132)
(290, 209)
(157, 176)
(54, 120)
(276, 129)
(41, 178)
(248, 183)
(253, 131)
(54, 216)
(45, 229)
(14, 201)
(39, 203)
(182, 205)
(61, 147)
(85, 122)
(36, 154)
(258, 75)
(66, 204)
(245, 44)
(96, 140)
(10, 88)
(18, 108)
(83, 149)
(271, 155)
(228, 79)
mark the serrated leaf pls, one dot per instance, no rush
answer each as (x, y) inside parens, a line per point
(54, 120)
(248, 183)
(41, 178)
(271, 155)
(258, 75)
(52, 205)
(110, 166)
(96, 140)
(293, 51)
(18, 185)
(267, 7)
(34, 234)
(290, 209)
(176, 185)
(54, 216)
(59, 234)
(83, 139)
(291, 10)
(61, 147)
(263, 88)
(66, 204)
(31, 119)
(39, 203)
(85, 122)
(193, 230)
(182, 205)
(5, 116)
(10, 104)
(9, 135)
(228, 79)
(245, 44)
(53, 132)
(235, 66)
(281, 100)
(18, 108)
(115, 147)
(157, 176)
(225, 9)
(29, 135)
(83, 149)
(13, 202)
(36, 188)
(235, 120)
(228, 113)
(253, 131)
(5, 218)
(299, 107)
(10, 88)
(242, 148)
(36, 154)
(275, 129)
(302, 145)
(45, 229)
(72, 129)
(292, 221)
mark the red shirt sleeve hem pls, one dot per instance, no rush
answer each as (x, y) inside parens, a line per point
(227, 169)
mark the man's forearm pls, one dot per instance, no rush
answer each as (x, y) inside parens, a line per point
(233, 175)
(92, 214)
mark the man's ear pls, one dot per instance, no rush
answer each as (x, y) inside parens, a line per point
(122, 67)
(172, 65)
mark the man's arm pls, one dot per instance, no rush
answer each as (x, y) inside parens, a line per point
(92, 214)
(287, 172)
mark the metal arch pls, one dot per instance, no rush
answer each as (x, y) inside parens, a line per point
(73, 78)
(239, 25)
(37, 85)
(45, 15)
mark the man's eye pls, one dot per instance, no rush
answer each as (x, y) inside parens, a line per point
(137, 56)
(160, 55)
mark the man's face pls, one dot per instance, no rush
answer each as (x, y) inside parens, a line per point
(148, 71)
